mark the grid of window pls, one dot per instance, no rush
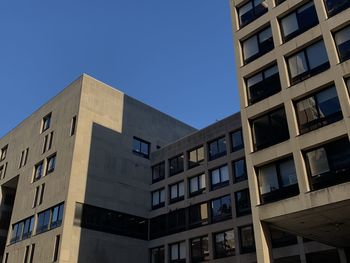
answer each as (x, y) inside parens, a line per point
(158, 198)
(270, 129)
(246, 237)
(318, 110)
(195, 157)
(158, 255)
(251, 11)
(158, 172)
(219, 177)
(263, 84)
(299, 21)
(242, 201)
(141, 147)
(46, 122)
(278, 181)
(176, 192)
(328, 164)
(342, 40)
(257, 45)
(221, 208)
(224, 244)
(217, 148)
(307, 62)
(197, 184)
(199, 249)
(22, 230)
(239, 170)
(237, 140)
(178, 252)
(176, 165)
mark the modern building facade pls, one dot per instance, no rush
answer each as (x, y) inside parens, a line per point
(97, 176)
(293, 73)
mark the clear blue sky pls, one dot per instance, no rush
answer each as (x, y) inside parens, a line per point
(175, 55)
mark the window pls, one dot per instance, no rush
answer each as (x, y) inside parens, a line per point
(41, 194)
(28, 227)
(43, 221)
(32, 253)
(26, 254)
(299, 21)
(38, 171)
(73, 126)
(221, 208)
(239, 170)
(197, 184)
(279, 2)
(6, 257)
(36, 196)
(329, 164)
(242, 203)
(176, 221)
(251, 11)
(23, 159)
(198, 215)
(141, 147)
(158, 172)
(57, 215)
(46, 122)
(342, 40)
(336, 6)
(308, 62)
(224, 244)
(195, 157)
(278, 181)
(217, 148)
(246, 237)
(51, 162)
(219, 177)
(270, 129)
(237, 140)
(157, 226)
(331, 255)
(47, 142)
(158, 198)
(158, 255)
(348, 84)
(22, 230)
(318, 110)
(106, 221)
(176, 165)
(263, 84)
(257, 45)
(3, 153)
(3, 169)
(56, 248)
(199, 249)
(178, 252)
(177, 192)
(280, 238)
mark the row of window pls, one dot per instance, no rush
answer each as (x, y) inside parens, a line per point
(216, 149)
(314, 111)
(327, 165)
(219, 177)
(224, 245)
(253, 9)
(210, 212)
(48, 219)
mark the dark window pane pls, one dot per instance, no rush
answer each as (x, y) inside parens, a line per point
(336, 6)
(280, 238)
(239, 170)
(217, 148)
(246, 234)
(221, 208)
(198, 214)
(141, 147)
(224, 244)
(242, 203)
(342, 40)
(237, 140)
(176, 165)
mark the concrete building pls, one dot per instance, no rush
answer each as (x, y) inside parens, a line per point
(293, 72)
(96, 176)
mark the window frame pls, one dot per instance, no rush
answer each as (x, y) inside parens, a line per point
(160, 202)
(203, 219)
(179, 165)
(342, 58)
(240, 178)
(309, 72)
(221, 183)
(246, 249)
(319, 122)
(216, 143)
(222, 216)
(337, 9)
(138, 151)
(254, 10)
(160, 258)
(51, 168)
(229, 253)
(204, 256)
(160, 167)
(246, 211)
(46, 122)
(36, 169)
(179, 259)
(198, 183)
(282, 192)
(178, 197)
(235, 148)
(198, 161)
(3, 152)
